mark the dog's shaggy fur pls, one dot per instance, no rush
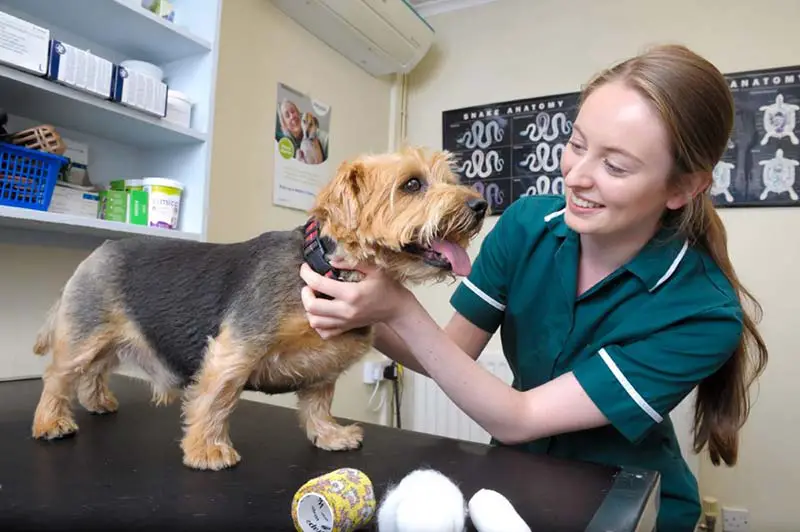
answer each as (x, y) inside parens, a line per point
(207, 321)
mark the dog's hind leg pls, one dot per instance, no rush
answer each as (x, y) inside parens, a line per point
(71, 361)
(93, 391)
(314, 405)
(209, 401)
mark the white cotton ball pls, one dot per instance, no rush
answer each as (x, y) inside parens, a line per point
(424, 501)
(489, 511)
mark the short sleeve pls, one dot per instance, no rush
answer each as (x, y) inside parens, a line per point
(637, 384)
(481, 297)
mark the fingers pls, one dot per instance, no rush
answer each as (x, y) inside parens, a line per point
(317, 305)
(335, 289)
(326, 326)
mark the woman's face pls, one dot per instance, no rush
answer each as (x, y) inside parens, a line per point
(616, 166)
(291, 117)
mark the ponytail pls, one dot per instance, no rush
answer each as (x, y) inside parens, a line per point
(722, 404)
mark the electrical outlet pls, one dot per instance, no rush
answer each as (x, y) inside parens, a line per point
(735, 520)
(373, 371)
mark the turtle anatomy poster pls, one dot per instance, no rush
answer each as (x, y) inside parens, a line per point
(511, 149)
(760, 162)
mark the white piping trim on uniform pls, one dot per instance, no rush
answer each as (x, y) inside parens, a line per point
(673, 266)
(554, 214)
(629, 387)
(483, 295)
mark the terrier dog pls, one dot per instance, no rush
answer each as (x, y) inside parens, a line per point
(207, 321)
(310, 150)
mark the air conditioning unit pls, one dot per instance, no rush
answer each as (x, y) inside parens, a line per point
(381, 36)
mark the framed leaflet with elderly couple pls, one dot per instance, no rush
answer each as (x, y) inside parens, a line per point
(511, 149)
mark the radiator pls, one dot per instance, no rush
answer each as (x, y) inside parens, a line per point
(433, 412)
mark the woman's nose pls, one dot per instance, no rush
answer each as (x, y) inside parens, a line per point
(579, 175)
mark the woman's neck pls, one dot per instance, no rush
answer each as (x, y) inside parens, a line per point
(602, 255)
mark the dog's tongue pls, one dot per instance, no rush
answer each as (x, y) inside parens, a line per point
(457, 256)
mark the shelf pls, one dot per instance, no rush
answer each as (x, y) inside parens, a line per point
(51, 103)
(17, 218)
(119, 25)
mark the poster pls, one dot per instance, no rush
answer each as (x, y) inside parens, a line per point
(302, 141)
(511, 149)
(760, 163)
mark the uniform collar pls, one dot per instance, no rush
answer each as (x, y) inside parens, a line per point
(655, 264)
(660, 258)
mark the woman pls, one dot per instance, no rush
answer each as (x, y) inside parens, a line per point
(613, 302)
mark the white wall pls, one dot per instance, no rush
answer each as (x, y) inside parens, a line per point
(521, 48)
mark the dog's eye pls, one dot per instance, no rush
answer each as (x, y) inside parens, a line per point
(413, 185)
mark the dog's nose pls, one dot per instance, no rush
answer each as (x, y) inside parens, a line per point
(477, 205)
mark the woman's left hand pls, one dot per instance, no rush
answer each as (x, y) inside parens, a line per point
(374, 299)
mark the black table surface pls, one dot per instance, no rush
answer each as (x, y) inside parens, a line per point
(123, 471)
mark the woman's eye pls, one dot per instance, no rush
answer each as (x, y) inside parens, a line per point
(413, 185)
(614, 169)
(575, 145)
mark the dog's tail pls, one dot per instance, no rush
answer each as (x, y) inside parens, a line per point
(44, 338)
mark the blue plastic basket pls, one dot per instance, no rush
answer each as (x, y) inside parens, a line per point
(28, 177)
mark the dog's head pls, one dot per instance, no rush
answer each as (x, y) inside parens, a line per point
(405, 212)
(309, 123)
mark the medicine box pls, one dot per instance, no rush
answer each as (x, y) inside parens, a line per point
(139, 91)
(78, 155)
(74, 200)
(80, 69)
(112, 205)
(23, 45)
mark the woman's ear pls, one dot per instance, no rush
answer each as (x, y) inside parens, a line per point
(688, 187)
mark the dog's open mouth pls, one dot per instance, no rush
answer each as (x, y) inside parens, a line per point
(443, 254)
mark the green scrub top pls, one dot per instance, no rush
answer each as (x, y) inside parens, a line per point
(638, 342)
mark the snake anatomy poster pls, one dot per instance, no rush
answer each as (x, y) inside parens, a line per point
(511, 149)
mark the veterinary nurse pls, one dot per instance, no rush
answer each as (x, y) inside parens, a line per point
(613, 303)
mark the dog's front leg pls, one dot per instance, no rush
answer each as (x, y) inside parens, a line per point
(210, 400)
(314, 405)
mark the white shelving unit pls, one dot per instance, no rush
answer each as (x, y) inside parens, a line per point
(123, 143)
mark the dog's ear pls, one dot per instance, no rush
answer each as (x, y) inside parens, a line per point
(340, 201)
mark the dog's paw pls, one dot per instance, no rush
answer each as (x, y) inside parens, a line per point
(104, 403)
(54, 428)
(215, 456)
(340, 438)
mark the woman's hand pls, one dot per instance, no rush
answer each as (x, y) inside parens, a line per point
(374, 299)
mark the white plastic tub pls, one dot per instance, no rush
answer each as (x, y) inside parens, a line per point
(179, 108)
(163, 201)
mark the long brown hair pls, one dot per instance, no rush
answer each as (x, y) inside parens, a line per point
(695, 104)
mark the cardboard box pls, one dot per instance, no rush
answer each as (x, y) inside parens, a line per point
(112, 205)
(80, 69)
(23, 45)
(77, 169)
(78, 201)
(137, 207)
(139, 91)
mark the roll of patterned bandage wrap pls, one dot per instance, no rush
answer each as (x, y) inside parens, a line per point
(339, 501)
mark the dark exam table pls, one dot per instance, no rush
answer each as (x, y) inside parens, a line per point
(123, 472)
